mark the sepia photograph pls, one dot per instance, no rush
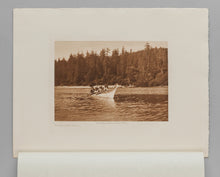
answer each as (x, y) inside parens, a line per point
(111, 81)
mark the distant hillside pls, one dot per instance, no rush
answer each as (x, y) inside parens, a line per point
(148, 67)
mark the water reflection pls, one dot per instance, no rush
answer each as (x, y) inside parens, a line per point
(106, 102)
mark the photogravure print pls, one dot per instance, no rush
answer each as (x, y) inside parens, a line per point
(111, 81)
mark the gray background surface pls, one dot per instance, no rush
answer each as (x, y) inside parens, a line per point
(8, 165)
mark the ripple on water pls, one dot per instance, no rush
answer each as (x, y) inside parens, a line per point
(77, 105)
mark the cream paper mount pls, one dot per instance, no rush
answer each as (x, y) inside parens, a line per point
(35, 32)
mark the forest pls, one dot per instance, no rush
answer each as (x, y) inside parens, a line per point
(143, 68)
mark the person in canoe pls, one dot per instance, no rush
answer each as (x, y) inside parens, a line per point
(98, 89)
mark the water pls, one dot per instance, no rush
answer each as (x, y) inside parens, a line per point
(129, 104)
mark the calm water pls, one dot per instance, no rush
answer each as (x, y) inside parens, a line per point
(129, 104)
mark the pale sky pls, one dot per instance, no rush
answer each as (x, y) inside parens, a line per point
(63, 49)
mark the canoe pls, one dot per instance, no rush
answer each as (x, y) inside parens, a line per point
(108, 94)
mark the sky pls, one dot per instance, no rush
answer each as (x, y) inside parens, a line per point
(63, 49)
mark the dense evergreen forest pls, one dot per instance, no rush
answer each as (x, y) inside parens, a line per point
(143, 68)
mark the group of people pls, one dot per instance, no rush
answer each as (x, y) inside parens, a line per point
(99, 89)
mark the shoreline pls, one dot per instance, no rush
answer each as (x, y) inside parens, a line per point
(110, 86)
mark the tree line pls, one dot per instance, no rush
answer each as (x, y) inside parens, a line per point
(143, 68)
